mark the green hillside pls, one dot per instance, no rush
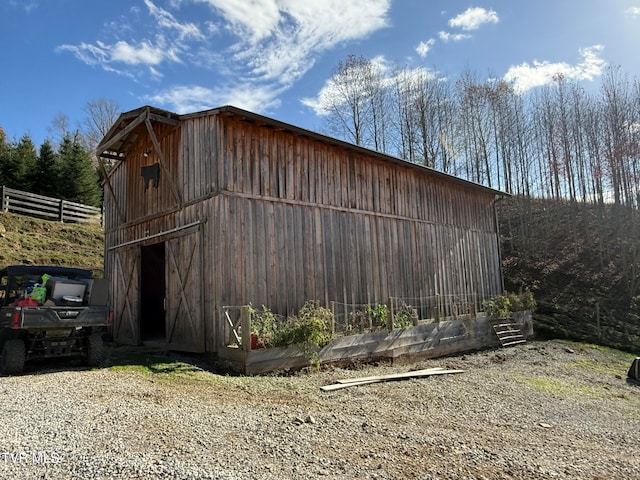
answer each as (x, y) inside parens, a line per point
(32, 241)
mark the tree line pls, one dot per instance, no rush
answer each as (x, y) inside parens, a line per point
(570, 157)
(62, 168)
(558, 141)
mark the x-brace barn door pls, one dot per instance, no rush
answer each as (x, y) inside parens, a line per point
(126, 327)
(185, 328)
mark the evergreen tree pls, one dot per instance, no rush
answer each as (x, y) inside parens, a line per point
(78, 177)
(18, 168)
(47, 171)
(5, 152)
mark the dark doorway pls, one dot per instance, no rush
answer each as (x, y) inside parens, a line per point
(152, 290)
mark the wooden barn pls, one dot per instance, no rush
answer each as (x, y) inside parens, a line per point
(227, 207)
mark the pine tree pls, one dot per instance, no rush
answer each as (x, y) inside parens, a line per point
(47, 176)
(18, 168)
(78, 177)
(5, 152)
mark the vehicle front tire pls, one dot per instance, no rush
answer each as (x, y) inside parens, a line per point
(95, 350)
(13, 357)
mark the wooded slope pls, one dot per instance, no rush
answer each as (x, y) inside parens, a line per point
(582, 263)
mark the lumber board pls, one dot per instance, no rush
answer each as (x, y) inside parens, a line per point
(383, 378)
(338, 386)
(391, 376)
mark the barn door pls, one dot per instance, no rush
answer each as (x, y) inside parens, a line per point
(126, 328)
(184, 321)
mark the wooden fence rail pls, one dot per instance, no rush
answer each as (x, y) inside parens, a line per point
(35, 205)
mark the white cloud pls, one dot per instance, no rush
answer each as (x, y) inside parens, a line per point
(28, 7)
(453, 37)
(424, 47)
(253, 20)
(144, 53)
(194, 98)
(105, 55)
(168, 21)
(473, 18)
(525, 76)
(268, 44)
(633, 12)
(148, 53)
(278, 39)
(185, 99)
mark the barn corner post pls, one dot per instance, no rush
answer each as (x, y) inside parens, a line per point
(497, 229)
(245, 325)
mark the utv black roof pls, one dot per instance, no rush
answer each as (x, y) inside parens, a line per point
(39, 270)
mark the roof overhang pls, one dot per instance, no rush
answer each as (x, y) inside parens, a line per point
(129, 127)
(251, 117)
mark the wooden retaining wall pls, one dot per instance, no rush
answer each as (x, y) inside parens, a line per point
(425, 341)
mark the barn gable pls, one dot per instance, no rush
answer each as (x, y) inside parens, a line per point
(226, 207)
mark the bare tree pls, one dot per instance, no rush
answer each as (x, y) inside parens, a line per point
(59, 128)
(475, 127)
(101, 115)
(348, 105)
(404, 99)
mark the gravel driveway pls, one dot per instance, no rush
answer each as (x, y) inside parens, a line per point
(543, 410)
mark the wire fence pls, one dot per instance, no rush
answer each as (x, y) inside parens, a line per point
(249, 327)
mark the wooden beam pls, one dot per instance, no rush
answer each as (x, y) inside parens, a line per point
(391, 376)
(163, 162)
(111, 156)
(105, 147)
(110, 188)
(162, 119)
(383, 378)
(338, 386)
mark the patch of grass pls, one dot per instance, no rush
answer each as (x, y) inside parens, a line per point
(606, 360)
(606, 368)
(560, 388)
(162, 368)
(612, 352)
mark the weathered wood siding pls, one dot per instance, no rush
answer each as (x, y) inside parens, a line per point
(284, 218)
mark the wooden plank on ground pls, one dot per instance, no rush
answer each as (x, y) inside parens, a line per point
(391, 376)
(338, 386)
(383, 378)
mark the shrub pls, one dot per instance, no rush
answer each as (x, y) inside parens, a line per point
(498, 307)
(503, 305)
(523, 301)
(404, 315)
(378, 314)
(311, 325)
(372, 316)
(265, 325)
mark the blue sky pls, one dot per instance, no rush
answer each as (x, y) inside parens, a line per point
(275, 57)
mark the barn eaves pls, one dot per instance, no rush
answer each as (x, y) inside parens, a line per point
(124, 134)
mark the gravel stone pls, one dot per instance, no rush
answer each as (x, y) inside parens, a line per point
(544, 410)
